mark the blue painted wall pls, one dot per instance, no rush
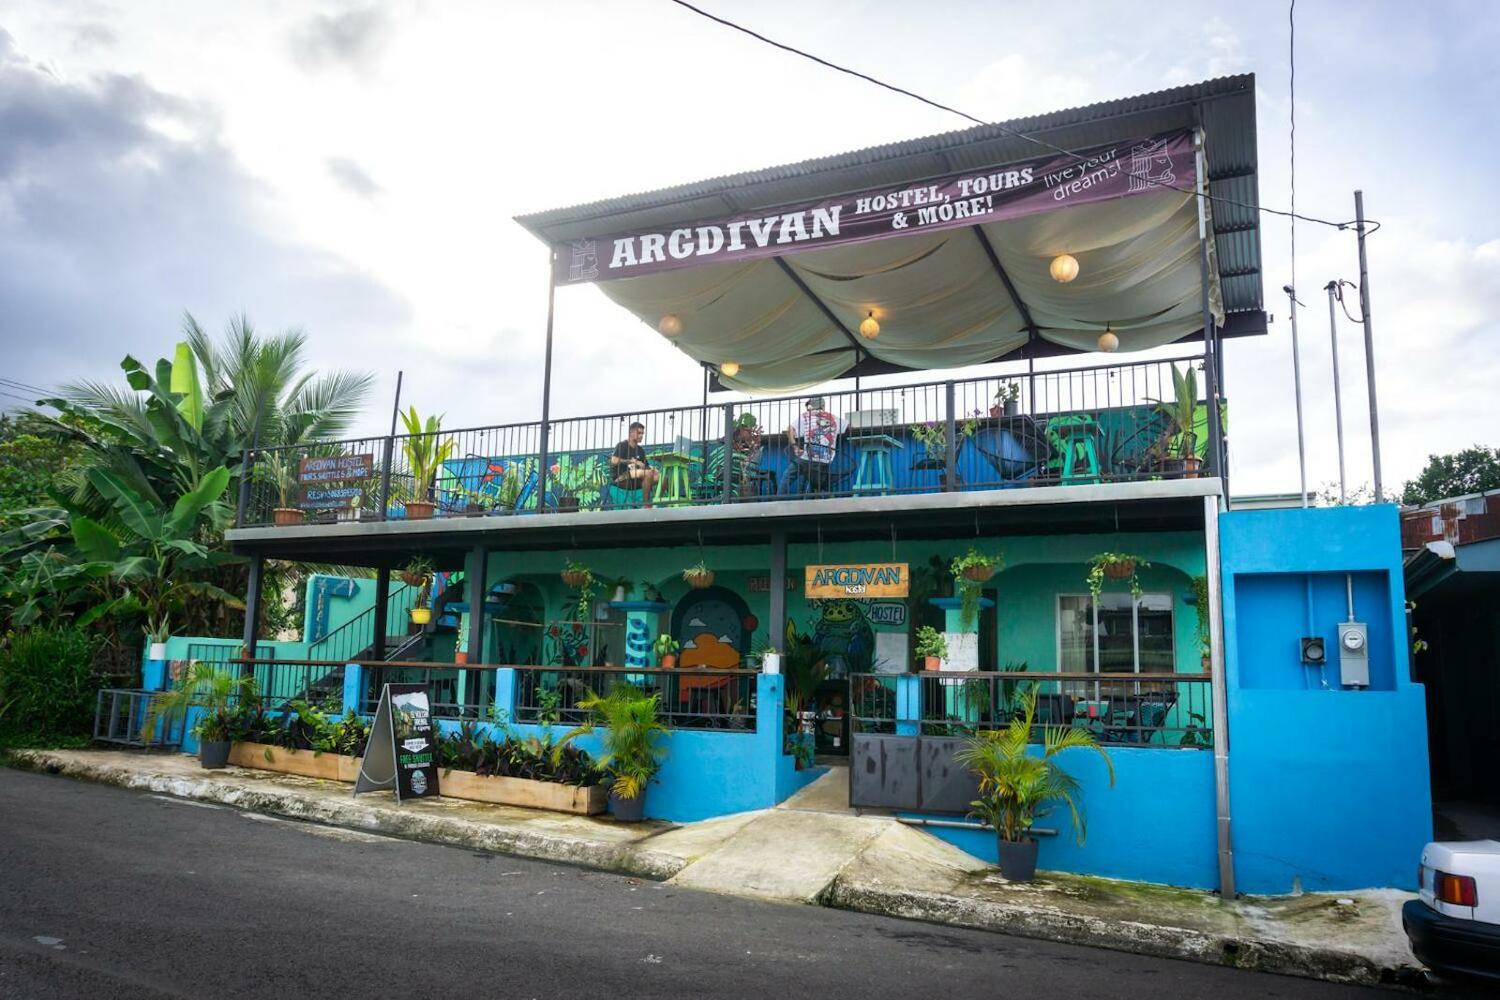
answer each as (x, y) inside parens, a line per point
(1328, 787)
(1155, 825)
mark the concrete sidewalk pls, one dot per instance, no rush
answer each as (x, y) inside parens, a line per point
(813, 849)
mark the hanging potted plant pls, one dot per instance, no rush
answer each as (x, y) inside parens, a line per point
(576, 575)
(418, 573)
(586, 586)
(1017, 787)
(276, 468)
(932, 648)
(970, 572)
(425, 455)
(665, 647)
(632, 745)
(1115, 566)
(699, 575)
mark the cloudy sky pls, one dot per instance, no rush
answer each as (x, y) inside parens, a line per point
(352, 169)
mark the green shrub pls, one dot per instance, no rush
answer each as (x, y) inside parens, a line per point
(48, 687)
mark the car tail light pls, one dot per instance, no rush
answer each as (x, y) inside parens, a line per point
(1459, 890)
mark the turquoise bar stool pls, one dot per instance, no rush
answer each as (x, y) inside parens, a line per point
(874, 476)
(619, 499)
(1073, 438)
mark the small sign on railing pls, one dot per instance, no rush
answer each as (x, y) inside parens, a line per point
(334, 468)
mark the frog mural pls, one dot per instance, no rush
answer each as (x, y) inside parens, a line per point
(844, 634)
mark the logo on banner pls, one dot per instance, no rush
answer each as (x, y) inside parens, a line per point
(1151, 166)
(584, 262)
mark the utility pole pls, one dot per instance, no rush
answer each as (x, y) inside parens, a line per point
(1364, 313)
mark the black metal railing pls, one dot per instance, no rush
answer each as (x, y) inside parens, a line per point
(355, 638)
(455, 690)
(1079, 425)
(1143, 710)
(278, 683)
(690, 698)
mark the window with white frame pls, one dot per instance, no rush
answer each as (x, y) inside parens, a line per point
(1115, 634)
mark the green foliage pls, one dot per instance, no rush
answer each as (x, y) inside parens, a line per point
(302, 727)
(696, 571)
(219, 693)
(48, 687)
(1200, 604)
(632, 737)
(805, 666)
(585, 591)
(425, 450)
(533, 758)
(1101, 561)
(1016, 787)
(1181, 412)
(583, 479)
(1460, 473)
(930, 642)
(665, 645)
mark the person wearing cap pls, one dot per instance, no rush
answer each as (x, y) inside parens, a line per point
(814, 439)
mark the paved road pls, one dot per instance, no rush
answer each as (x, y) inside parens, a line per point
(108, 893)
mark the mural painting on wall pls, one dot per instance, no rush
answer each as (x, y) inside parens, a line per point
(847, 630)
(714, 626)
(567, 644)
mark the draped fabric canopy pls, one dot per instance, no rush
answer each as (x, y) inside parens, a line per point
(774, 269)
(938, 298)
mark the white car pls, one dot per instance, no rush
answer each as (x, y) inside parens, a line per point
(1454, 924)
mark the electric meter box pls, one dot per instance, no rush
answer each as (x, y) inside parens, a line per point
(1354, 654)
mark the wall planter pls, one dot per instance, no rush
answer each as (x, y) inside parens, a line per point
(587, 800)
(283, 516)
(306, 763)
(420, 510)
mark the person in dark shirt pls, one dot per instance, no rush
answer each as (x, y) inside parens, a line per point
(631, 470)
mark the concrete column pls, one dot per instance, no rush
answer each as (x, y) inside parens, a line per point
(252, 608)
(641, 628)
(382, 598)
(777, 587)
(1219, 690)
(475, 590)
(963, 653)
(354, 680)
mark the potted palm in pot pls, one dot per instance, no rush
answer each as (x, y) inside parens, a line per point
(425, 454)
(1181, 414)
(1017, 787)
(632, 750)
(218, 693)
(276, 469)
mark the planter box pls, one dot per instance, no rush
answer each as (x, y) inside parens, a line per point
(587, 801)
(329, 766)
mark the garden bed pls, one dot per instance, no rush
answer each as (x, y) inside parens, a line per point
(306, 763)
(583, 800)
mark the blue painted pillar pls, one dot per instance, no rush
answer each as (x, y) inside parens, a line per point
(770, 709)
(640, 632)
(908, 704)
(354, 683)
(505, 694)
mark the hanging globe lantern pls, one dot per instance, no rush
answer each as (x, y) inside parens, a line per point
(729, 369)
(1064, 268)
(1108, 342)
(869, 327)
(670, 325)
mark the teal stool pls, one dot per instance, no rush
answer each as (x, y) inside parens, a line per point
(1073, 438)
(874, 476)
(619, 499)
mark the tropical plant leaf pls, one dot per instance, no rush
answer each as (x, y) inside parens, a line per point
(94, 540)
(184, 382)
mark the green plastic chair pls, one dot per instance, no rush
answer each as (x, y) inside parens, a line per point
(1072, 438)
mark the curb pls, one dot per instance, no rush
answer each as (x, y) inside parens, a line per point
(626, 859)
(1160, 941)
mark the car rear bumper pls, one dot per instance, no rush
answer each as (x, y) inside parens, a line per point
(1447, 944)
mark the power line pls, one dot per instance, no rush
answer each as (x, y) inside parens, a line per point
(12, 383)
(1004, 128)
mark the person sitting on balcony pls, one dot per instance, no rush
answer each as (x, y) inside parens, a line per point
(631, 469)
(814, 441)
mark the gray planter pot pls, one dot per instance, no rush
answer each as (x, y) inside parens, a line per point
(213, 754)
(628, 810)
(1018, 860)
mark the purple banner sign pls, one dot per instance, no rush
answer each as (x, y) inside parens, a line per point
(970, 198)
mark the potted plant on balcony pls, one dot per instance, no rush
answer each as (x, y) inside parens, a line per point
(970, 572)
(632, 745)
(278, 469)
(665, 647)
(1181, 415)
(932, 648)
(1116, 566)
(217, 693)
(425, 454)
(1007, 399)
(699, 575)
(1017, 787)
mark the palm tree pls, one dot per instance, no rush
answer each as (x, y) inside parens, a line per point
(1016, 787)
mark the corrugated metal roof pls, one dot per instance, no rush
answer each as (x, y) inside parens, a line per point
(1225, 107)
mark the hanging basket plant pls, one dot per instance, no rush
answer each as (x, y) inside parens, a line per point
(577, 576)
(699, 575)
(1116, 566)
(417, 572)
(970, 570)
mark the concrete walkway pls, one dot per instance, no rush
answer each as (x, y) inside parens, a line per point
(813, 849)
